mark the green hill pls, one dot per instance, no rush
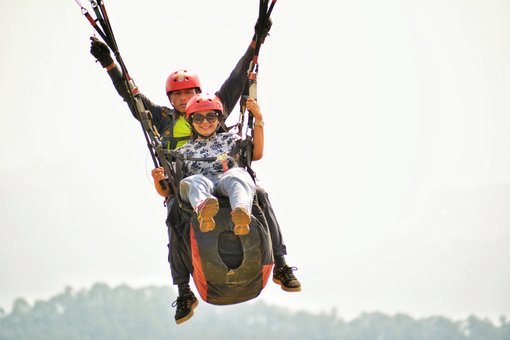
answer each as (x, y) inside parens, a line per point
(103, 312)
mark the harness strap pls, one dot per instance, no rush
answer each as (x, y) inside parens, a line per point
(171, 142)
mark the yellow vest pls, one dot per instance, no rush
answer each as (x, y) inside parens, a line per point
(181, 129)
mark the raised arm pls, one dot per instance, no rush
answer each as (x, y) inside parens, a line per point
(102, 53)
(232, 88)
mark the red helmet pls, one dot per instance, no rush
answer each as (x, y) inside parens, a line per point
(203, 101)
(181, 80)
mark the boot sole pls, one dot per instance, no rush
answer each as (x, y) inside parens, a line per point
(287, 289)
(190, 314)
(241, 221)
(207, 212)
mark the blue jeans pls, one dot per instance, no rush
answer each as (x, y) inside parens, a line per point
(235, 183)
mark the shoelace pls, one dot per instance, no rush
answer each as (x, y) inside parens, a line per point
(180, 302)
(287, 272)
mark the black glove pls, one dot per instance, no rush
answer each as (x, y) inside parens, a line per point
(100, 51)
(263, 32)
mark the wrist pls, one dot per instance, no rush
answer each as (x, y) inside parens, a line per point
(259, 122)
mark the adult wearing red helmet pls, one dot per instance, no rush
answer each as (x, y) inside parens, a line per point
(201, 178)
(223, 272)
(171, 123)
(204, 113)
(181, 85)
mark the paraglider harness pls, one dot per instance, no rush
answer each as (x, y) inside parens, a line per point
(218, 281)
(162, 156)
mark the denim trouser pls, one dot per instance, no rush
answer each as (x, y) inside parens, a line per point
(235, 183)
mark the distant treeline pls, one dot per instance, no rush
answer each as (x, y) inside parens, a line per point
(125, 313)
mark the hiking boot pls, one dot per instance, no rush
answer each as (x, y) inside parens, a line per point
(205, 212)
(241, 220)
(185, 305)
(284, 276)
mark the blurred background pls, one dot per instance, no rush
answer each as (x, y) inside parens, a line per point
(387, 148)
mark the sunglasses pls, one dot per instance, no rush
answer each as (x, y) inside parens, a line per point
(211, 117)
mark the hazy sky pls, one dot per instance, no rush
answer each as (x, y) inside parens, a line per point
(387, 147)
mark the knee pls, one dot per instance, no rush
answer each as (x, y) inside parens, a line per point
(185, 182)
(261, 191)
(237, 175)
(194, 180)
(262, 196)
(183, 186)
(191, 179)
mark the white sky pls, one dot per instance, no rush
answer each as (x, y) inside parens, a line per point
(387, 147)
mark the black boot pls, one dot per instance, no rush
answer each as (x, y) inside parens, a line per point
(284, 276)
(185, 305)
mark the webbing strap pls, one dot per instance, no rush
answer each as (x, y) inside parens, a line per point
(250, 89)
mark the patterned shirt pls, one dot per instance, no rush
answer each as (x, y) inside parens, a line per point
(218, 144)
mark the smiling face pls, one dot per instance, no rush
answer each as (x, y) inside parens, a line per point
(205, 122)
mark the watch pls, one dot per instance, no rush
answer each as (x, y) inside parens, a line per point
(259, 123)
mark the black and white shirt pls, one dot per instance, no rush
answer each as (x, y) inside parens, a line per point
(216, 145)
